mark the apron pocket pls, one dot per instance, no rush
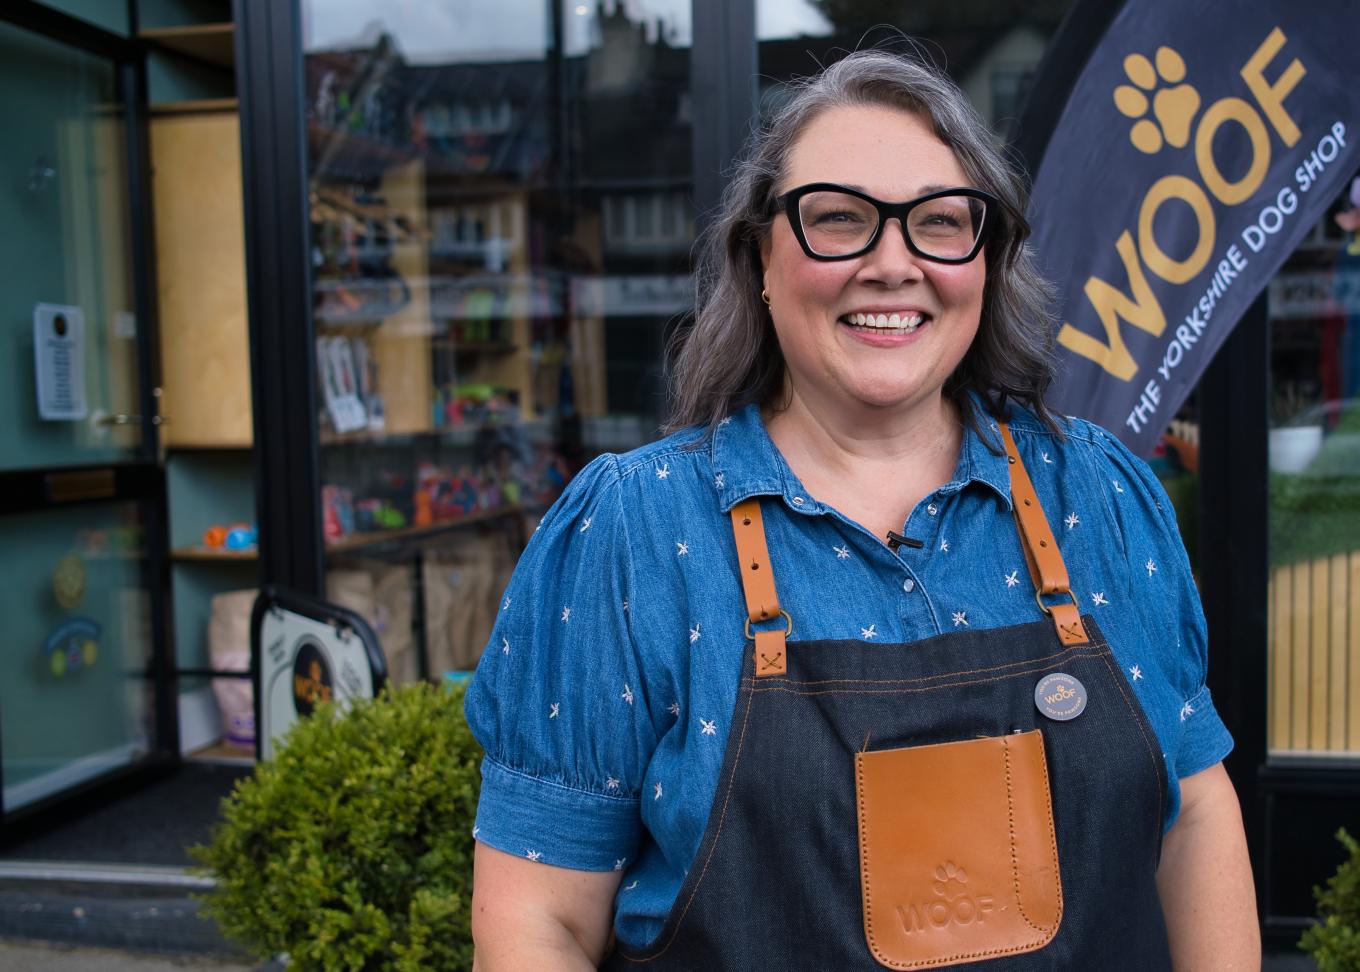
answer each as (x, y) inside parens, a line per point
(958, 857)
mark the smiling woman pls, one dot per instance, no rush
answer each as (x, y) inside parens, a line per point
(854, 770)
(839, 373)
(912, 135)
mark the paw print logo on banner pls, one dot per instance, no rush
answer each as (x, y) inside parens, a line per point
(1173, 108)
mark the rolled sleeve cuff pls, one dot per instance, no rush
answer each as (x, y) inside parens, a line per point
(555, 824)
(1205, 740)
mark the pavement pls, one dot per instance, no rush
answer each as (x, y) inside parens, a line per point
(18, 956)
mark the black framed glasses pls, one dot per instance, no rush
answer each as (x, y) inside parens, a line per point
(835, 222)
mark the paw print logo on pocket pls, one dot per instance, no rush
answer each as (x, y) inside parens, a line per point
(950, 881)
(1173, 106)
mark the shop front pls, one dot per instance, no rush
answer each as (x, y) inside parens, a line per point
(403, 269)
(83, 688)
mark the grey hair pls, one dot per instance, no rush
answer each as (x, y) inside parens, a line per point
(729, 357)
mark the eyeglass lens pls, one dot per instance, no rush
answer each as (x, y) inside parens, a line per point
(837, 223)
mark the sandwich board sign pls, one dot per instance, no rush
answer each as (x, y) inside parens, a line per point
(304, 652)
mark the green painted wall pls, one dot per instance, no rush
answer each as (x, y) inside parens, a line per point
(177, 13)
(109, 14)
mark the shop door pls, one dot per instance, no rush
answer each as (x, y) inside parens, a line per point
(81, 490)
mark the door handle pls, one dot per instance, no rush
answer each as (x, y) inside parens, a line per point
(106, 420)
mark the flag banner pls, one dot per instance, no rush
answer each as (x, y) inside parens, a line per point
(1200, 143)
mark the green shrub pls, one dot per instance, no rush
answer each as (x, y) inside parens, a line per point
(352, 848)
(1335, 943)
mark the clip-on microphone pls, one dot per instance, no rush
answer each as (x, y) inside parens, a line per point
(896, 540)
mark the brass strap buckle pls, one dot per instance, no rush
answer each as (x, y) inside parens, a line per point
(1039, 600)
(788, 631)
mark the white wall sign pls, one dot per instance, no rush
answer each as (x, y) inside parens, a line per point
(59, 361)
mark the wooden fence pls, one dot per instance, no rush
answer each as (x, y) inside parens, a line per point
(1314, 656)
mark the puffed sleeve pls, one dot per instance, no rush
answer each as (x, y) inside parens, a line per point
(1163, 591)
(557, 701)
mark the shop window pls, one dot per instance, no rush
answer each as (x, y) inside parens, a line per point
(1009, 86)
(990, 49)
(1314, 593)
(501, 230)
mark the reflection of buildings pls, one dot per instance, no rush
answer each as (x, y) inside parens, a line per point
(1315, 324)
(535, 172)
(538, 173)
(991, 62)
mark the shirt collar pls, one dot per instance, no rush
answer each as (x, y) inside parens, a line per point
(977, 462)
(747, 463)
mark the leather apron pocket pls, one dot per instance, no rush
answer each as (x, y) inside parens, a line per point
(958, 856)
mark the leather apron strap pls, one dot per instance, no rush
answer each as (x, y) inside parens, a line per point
(757, 582)
(1046, 569)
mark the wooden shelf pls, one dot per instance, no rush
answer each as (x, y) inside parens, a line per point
(359, 541)
(463, 434)
(191, 107)
(476, 347)
(200, 553)
(245, 446)
(224, 754)
(210, 43)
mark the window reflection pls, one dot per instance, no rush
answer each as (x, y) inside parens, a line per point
(990, 49)
(501, 226)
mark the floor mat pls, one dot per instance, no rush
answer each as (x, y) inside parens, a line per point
(154, 824)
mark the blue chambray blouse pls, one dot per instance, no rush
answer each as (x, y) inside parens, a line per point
(604, 696)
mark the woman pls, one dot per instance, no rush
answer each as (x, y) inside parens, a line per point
(804, 685)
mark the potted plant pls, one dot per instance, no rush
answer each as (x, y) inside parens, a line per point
(352, 847)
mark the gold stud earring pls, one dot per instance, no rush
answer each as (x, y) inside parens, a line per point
(765, 296)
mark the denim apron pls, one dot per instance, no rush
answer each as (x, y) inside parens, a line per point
(779, 879)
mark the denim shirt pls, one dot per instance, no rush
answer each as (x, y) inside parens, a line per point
(604, 696)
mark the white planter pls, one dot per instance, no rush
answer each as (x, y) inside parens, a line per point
(1293, 447)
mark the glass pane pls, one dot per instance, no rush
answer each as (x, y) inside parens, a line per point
(66, 304)
(990, 49)
(1314, 658)
(75, 694)
(501, 230)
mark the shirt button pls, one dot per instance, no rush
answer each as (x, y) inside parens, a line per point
(909, 585)
(798, 501)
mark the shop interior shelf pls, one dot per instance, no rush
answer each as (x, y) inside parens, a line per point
(198, 104)
(453, 435)
(203, 554)
(360, 541)
(211, 43)
(476, 347)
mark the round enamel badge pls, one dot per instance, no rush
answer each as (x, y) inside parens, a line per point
(1060, 696)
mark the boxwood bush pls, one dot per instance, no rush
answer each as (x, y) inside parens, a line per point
(352, 848)
(1334, 943)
